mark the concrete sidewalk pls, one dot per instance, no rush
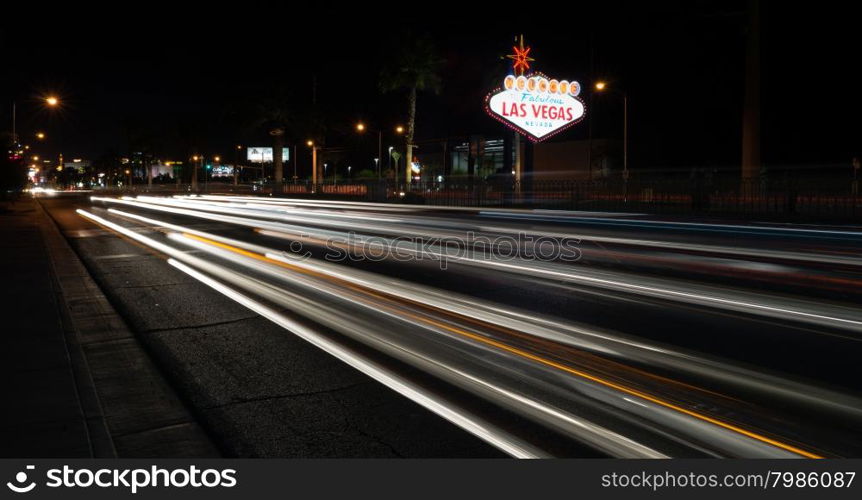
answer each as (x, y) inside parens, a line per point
(76, 383)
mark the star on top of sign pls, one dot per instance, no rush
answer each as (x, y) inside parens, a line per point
(521, 57)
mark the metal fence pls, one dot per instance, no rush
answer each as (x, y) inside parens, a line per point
(790, 199)
(780, 199)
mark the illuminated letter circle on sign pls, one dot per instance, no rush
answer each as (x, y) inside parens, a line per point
(538, 111)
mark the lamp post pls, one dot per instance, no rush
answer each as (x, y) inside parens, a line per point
(216, 161)
(295, 159)
(195, 159)
(314, 176)
(51, 101)
(602, 86)
(360, 127)
(236, 165)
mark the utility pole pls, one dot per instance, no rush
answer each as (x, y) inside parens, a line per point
(590, 103)
(149, 171)
(14, 124)
(295, 159)
(751, 109)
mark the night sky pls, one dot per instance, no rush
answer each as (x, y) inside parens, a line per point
(190, 77)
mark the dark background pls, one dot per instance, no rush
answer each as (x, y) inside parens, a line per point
(192, 75)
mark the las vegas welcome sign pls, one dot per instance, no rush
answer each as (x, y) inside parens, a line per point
(536, 106)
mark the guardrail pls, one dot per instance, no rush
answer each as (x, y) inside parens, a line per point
(776, 199)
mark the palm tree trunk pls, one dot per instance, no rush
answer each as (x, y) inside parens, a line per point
(277, 147)
(411, 124)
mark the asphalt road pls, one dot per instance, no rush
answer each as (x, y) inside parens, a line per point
(516, 332)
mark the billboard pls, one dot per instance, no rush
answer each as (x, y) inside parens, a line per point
(221, 171)
(264, 155)
(535, 105)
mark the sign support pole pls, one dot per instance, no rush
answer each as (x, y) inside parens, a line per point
(518, 166)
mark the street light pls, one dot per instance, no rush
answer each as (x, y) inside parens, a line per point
(236, 165)
(195, 160)
(601, 86)
(360, 127)
(216, 162)
(40, 136)
(314, 176)
(51, 101)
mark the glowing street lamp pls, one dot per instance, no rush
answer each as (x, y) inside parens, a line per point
(360, 127)
(601, 86)
(195, 167)
(51, 101)
(40, 136)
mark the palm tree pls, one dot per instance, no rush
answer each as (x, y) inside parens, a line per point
(273, 113)
(414, 66)
(283, 115)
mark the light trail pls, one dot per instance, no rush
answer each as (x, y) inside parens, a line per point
(497, 343)
(802, 311)
(544, 361)
(612, 345)
(471, 423)
(466, 421)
